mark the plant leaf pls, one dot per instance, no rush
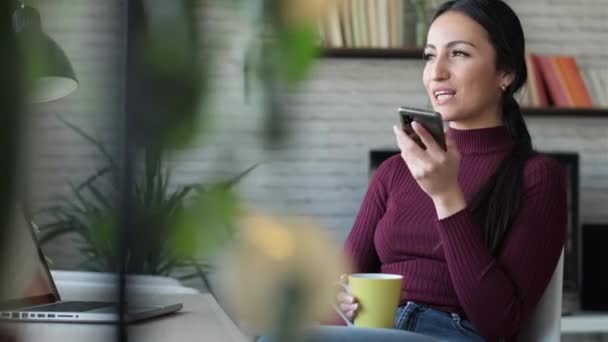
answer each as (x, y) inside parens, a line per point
(97, 143)
(232, 181)
(93, 178)
(101, 198)
(54, 233)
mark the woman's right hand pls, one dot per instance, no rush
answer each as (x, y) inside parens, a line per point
(347, 303)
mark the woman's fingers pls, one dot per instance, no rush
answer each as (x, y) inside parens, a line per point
(344, 297)
(407, 145)
(348, 304)
(348, 307)
(432, 147)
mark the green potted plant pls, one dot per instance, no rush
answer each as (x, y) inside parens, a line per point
(168, 225)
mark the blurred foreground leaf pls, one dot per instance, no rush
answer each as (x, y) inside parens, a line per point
(279, 56)
(170, 76)
(299, 47)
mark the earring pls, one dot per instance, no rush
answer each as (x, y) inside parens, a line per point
(503, 87)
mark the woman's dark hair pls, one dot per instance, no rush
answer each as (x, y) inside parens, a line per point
(496, 204)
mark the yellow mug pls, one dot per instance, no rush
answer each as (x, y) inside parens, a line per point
(378, 295)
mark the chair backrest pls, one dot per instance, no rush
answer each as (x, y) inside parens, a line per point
(545, 322)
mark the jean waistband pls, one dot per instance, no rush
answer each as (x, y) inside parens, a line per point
(411, 306)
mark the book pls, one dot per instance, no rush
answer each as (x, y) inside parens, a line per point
(372, 21)
(523, 97)
(383, 24)
(363, 21)
(356, 22)
(602, 79)
(346, 23)
(577, 90)
(392, 23)
(596, 80)
(334, 29)
(553, 80)
(530, 89)
(536, 84)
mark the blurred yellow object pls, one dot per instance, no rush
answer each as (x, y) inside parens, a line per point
(275, 241)
(271, 258)
(306, 11)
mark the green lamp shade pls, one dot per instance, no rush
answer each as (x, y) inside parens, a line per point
(56, 78)
(49, 73)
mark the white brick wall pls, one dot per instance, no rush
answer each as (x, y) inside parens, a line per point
(344, 110)
(578, 28)
(348, 107)
(91, 34)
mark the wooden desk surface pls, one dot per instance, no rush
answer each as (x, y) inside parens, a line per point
(201, 319)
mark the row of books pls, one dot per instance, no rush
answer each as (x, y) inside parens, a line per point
(369, 23)
(596, 80)
(556, 81)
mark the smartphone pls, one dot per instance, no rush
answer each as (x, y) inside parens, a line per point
(430, 120)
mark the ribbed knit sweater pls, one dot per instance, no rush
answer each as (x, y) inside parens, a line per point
(445, 263)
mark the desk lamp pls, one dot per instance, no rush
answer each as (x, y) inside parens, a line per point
(49, 73)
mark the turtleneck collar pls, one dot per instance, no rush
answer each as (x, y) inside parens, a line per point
(481, 140)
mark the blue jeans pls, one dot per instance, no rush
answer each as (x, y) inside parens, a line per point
(333, 333)
(441, 325)
(413, 323)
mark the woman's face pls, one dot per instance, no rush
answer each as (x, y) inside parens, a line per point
(460, 74)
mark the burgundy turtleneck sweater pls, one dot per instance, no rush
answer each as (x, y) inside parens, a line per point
(444, 263)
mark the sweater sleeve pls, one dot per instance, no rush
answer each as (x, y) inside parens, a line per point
(499, 293)
(359, 247)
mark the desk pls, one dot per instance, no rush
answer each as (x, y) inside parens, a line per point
(585, 323)
(201, 319)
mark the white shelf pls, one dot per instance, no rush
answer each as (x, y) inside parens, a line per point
(585, 322)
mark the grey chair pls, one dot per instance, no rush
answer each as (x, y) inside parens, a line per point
(545, 323)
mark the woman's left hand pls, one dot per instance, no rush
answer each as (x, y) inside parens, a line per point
(435, 170)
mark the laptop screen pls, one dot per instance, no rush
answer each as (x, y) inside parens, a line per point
(26, 278)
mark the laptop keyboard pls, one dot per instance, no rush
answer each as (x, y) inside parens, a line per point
(70, 307)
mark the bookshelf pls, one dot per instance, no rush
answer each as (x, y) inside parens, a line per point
(585, 323)
(374, 29)
(347, 52)
(416, 53)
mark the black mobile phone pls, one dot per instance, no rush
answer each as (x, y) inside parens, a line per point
(430, 120)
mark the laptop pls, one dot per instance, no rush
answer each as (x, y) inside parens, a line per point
(29, 292)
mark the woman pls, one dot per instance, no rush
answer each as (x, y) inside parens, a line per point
(475, 231)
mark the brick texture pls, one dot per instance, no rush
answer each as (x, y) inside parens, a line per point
(345, 109)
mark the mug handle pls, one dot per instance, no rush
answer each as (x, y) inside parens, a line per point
(337, 309)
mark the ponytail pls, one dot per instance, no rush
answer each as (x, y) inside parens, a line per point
(496, 205)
